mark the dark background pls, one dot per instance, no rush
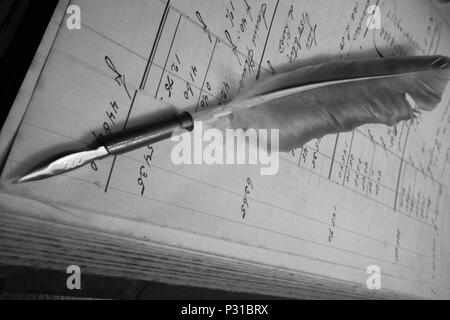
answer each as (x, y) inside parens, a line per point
(22, 25)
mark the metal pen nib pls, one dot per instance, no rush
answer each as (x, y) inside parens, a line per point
(64, 164)
(117, 143)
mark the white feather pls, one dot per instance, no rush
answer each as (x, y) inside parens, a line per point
(339, 96)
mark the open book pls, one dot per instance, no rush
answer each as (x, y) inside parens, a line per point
(357, 214)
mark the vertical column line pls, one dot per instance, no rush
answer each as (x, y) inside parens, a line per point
(400, 169)
(206, 75)
(162, 23)
(168, 55)
(267, 38)
(124, 127)
(348, 157)
(333, 156)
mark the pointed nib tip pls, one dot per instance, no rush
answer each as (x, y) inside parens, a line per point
(34, 176)
(63, 164)
(20, 180)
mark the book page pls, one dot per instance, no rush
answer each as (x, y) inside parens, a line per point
(376, 196)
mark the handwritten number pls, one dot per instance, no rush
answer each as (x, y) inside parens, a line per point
(169, 85)
(120, 78)
(148, 156)
(245, 205)
(204, 26)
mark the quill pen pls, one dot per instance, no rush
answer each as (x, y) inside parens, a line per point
(302, 104)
